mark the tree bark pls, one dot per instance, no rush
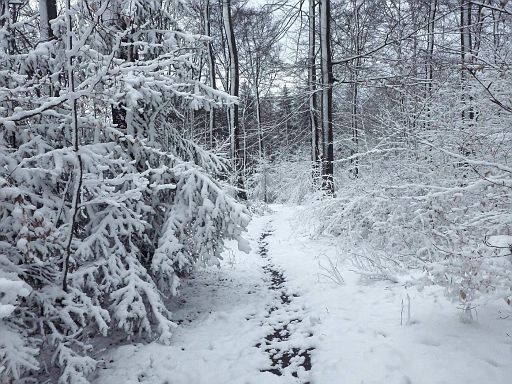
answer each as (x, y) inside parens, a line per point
(261, 148)
(211, 66)
(430, 45)
(234, 86)
(75, 204)
(355, 90)
(466, 52)
(327, 80)
(119, 111)
(429, 65)
(47, 13)
(313, 104)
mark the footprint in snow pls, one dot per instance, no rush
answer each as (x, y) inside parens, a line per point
(284, 359)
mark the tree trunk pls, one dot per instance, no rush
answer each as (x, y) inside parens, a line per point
(354, 124)
(243, 127)
(47, 13)
(119, 111)
(355, 91)
(211, 66)
(76, 147)
(234, 85)
(430, 45)
(313, 105)
(466, 53)
(261, 148)
(327, 80)
(429, 65)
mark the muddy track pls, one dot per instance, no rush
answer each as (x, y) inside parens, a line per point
(284, 356)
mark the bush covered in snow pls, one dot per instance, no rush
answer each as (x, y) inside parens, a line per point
(429, 209)
(284, 181)
(17, 353)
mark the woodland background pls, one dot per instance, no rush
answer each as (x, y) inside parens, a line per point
(136, 136)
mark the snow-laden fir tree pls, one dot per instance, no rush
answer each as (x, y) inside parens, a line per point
(103, 202)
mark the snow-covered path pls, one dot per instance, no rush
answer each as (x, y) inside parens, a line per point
(271, 317)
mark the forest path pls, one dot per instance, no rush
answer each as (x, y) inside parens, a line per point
(273, 317)
(287, 344)
(237, 324)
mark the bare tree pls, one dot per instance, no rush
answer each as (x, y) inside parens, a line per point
(430, 45)
(327, 81)
(234, 86)
(312, 86)
(258, 35)
(466, 50)
(211, 68)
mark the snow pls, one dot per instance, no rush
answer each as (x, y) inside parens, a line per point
(500, 241)
(9, 291)
(360, 330)
(6, 310)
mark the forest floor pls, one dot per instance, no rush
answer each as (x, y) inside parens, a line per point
(273, 316)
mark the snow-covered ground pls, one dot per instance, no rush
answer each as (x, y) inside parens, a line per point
(244, 324)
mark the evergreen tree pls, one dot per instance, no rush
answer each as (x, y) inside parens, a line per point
(104, 203)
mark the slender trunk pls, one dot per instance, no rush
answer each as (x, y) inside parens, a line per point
(355, 91)
(478, 30)
(327, 80)
(261, 148)
(354, 125)
(495, 37)
(244, 136)
(4, 13)
(287, 133)
(79, 164)
(313, 105)
(233, 73)
(47, 12)
(12, 35)
(234, 91)
(430, 45)
(211, 67)
(6, 18)
(429, 65)
(414, 72)
(466, 59)
(192, 123)
(119, 111)
(469, 48)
